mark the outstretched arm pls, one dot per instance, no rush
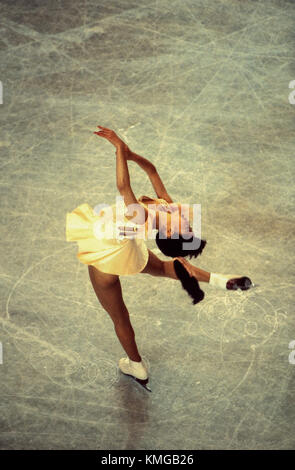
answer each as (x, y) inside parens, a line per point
(156, 181)
(122, 172)
(152, 173)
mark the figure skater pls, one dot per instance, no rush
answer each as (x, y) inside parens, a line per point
(108, 258)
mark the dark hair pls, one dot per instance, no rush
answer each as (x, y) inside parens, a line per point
(190, 284)
(174, 246)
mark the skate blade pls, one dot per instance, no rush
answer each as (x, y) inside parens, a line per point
(254, 285)
(141, 382)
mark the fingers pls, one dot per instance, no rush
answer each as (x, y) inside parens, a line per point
(105, 129)
(102, 134)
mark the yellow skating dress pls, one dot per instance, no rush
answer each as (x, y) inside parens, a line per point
(111, 254)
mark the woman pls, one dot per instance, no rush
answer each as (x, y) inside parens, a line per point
(109, 257)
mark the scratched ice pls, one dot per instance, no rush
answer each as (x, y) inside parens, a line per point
(201, 88)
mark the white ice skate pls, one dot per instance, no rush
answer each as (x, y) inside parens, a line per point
(136, 370)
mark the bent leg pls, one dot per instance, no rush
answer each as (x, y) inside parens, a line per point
(109, 293)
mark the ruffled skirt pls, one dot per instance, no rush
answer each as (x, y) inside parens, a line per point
(109, 255)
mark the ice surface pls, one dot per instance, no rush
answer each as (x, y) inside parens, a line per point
(201, 88)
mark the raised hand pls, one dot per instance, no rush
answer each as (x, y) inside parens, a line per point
(111, 136)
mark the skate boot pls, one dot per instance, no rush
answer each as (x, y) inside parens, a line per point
(136, 370)
(230, 281)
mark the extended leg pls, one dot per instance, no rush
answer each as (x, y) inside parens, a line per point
(179, 269)
(199, 274)
(158, 267)
(190, 275)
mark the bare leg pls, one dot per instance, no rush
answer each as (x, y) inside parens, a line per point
(199, 274)
(158, 267)
(109, 293)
